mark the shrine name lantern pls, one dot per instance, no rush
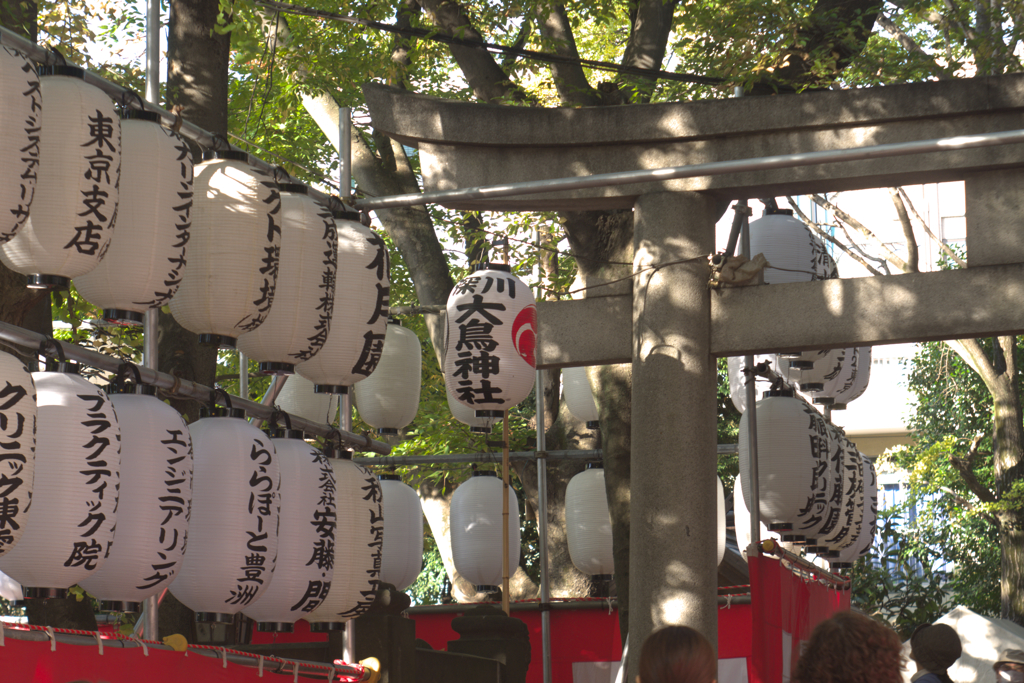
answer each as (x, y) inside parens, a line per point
(146, 259)
(72, 217)
(229, 282)
(21, 109)
(489, 362)
(70, 528)
(297, 326)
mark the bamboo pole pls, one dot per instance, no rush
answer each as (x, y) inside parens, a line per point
(504, 519)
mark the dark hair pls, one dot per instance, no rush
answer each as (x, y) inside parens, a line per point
(851, 648)
(677, 654)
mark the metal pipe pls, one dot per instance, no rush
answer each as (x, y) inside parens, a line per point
(557, 606)
(698, 170)
(345, 152)
(542, 528)
(345, 422)
(132, 99)
(751, 475)
(182, 387)
(505, 491)
(243, 376)
(459, 458)
(772, 547)
(153, 51)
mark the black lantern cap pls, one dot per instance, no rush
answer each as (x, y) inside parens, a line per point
(47, 282)
(219, 340)
(840, 565)
(484, 473)
(325, 626)
(141, 115)
(387, 431)
(782, 526)
(61, 70)
(503, 267)
(330, 389)
(297, 188)
(346, 215)
(812, 386)
(824, 401)
(793, 538)
(490, 413)
(801, 364)
(593, 424)
(120, 606)
(226, 154)
(275, 627)
(775, 393)
(389, 477)
(486, 588)
(285, 433)
(479, 430)
(778, 212)
(595, 465)
(67, 366)
(119, 316)
(276, 368)
(214, 618)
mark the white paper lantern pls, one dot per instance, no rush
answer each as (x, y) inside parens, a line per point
(70, 527)
(588, 524)
(814, 375)
(144, 264)
(305, 549)
(475, 519)
(489, 359)
(297, 327)
(478, 424)
(228, 285)
(579, 397)
(21, 108)
(792, 447)
(842, 376)
(866, 537)
(389, 398)
(154, 507)
(790, 248)
(741, 520)
(354, 345)
(822, 516)
(858, 384)
(358, 542)
(298, 398)
(852, 501)
(402, 555)
(232, 542)
(72, 220)
(738, 379)
(17, 448)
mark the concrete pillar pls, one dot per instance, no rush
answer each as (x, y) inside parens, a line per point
(673, 573)
(994, 205)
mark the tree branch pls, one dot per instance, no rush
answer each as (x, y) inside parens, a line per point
(890, 255)
(913, 265)
(486, 78)
(968, 505)
(832, 240)
(943, 247)
(570, 81)
(972, 354)
(910, 45)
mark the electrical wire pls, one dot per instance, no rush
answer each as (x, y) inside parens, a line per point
(433, 34)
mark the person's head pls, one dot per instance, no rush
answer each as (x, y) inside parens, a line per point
(1009, 667)
(935, 647)
(677, 654)
(851, 648)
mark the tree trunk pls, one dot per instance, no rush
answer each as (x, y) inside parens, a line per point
(1008, 444)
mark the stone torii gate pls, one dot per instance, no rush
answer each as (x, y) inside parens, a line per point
(668, 324)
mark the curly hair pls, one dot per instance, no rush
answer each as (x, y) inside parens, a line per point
(677, 654)
(851, 648)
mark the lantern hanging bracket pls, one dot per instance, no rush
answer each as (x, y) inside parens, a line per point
(48, 343)
(278, 413)
(60, 56)
(121, 378)
(213, 398)
(127, 96)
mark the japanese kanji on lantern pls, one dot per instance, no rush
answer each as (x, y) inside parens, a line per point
(17, 448)
(232, 542)
(489, 360)
(144, 264)
(389, 398)
(866, 535)
(402, 554)
(21, 108)
(305, 549)
(155, 503)
(588, 524)
(358, 542)
(72, 217)
(855, 387)
(476, 530)
(297, 326)
(354, 345)
(229, 282)
(70, 527)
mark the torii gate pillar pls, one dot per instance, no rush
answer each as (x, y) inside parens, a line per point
(673, 556)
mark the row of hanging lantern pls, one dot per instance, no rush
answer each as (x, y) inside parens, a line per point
(267, 507)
